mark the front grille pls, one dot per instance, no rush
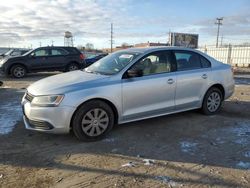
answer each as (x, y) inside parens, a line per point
(42, 125)
(29, 97)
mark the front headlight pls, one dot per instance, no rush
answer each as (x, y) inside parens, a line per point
(52, 100)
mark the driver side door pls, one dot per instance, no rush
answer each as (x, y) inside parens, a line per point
(38, 58)
(153, 93)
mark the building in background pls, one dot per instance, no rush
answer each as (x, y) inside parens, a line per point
(148, 44)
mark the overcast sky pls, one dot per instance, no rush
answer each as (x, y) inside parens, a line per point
(26, 22)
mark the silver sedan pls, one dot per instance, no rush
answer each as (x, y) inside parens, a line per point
(126, 86)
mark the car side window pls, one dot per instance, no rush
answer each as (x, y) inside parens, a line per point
(204, 62)
(56, 52)
(187, 60)
(154, 63)
(41, 52)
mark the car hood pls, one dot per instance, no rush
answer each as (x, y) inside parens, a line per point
(66, 82)
(16, 58)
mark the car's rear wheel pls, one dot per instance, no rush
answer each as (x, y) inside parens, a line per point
(212, 101)
(18, 71)
(93, 120)
(72, 67)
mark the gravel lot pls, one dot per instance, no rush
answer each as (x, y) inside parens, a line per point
(186, 149)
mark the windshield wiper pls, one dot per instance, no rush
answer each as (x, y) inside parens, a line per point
(93, 72)
(97, 72)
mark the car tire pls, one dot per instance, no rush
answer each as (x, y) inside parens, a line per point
(93, 120)
(212, 101)
(18, 71)
(72, 67)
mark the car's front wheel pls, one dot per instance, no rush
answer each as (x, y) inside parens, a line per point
(18, 71)
(212, 101)
(93, 120)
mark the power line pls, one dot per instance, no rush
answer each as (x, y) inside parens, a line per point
(219, 23)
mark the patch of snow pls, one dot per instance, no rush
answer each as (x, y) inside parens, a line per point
(148, 162)
(188, 147)
(242, 129)
(242, 81)
(241, 141)
(108, 140)
(10, 114)
(247, 154)
(168, 180)
(243, 165)
(129, 164)
(219, 141)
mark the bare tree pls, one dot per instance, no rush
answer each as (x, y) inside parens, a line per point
(89, 46)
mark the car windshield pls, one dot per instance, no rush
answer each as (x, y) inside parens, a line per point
(8, 52)
(112, 63)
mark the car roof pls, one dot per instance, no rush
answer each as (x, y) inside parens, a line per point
(56, 47)
(145, 50)
(156, 48)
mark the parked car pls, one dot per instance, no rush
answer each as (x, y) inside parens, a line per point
(92, 59)
(13, 53)
(126, 86)
(43, 59)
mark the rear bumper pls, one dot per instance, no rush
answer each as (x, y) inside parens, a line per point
(229, 90)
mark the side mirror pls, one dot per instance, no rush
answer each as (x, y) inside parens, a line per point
(134, 73)
(32, 55)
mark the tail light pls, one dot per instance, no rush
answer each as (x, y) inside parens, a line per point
(82, 57)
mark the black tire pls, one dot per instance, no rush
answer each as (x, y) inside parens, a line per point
(81, 115)
(208, 109)
(18, 71)
(72, 67)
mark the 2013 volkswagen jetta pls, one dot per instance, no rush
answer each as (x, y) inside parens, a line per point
(126, 86)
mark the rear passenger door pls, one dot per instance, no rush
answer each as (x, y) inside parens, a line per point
(57, 59)
(193, 72)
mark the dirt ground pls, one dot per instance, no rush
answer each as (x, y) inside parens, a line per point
(186, 149)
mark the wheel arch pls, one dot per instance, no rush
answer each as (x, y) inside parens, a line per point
(14, 64)
(73, 62)
(218, 86)
(108, 102)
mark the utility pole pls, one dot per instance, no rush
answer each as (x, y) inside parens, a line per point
(221, 40)
(111, 38)
(40, 44)
(219, 23)
(52, 43)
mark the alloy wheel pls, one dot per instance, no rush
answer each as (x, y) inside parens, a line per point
(95, 122)
(213, 101)
(73, 67)
(19, 72)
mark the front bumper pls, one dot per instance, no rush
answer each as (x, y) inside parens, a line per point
(47, 119)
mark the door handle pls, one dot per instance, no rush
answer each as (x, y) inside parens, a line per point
(170, 81)
(204, 76)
